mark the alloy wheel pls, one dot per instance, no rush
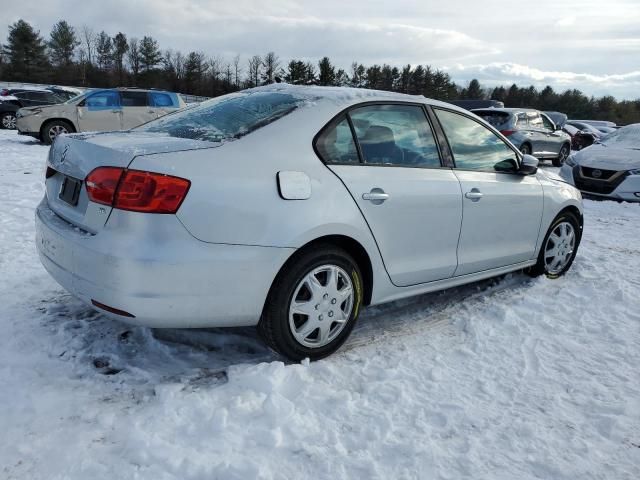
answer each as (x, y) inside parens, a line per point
(56, 130)
(321, 306)
(9, 122)
(559, 248)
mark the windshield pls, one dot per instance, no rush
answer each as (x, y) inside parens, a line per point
(626, 137)
(76, 98)
(225, 118)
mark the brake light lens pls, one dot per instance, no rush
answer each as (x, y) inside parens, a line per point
(136, 190)
(506, 133)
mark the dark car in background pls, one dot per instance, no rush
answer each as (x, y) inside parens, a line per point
(531, 131)
(13, 99)
(472, 104)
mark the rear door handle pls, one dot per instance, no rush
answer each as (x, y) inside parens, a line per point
(376, 196)
(474, 195)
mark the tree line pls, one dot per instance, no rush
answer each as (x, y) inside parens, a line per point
(84, 57)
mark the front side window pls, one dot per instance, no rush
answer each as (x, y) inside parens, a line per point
(103, 100)
(474, 146)
(535, 121)
(225, 118)
(548, 124)
(336, 144)
(395, 135)
(133, 99)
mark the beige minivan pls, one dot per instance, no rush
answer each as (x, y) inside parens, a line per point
(97, 110)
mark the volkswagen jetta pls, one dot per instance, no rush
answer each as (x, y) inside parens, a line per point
(292, 208)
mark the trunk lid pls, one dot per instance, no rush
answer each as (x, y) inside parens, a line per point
(73, 157)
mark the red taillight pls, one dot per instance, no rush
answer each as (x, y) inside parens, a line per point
(506, 133)
(102, 184)
(136, 190)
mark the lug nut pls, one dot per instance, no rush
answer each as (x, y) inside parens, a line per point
(331, 313)
(333, 301)
(326, 295)
(320, 318)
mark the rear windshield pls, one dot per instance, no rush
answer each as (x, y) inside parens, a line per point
(225, 118)
(499, 120)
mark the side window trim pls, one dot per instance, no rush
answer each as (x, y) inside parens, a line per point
(491, 129)
(346, 114)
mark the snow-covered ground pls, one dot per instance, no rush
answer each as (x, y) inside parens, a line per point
(506, 379)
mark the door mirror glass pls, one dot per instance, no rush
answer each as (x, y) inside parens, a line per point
(529, 165)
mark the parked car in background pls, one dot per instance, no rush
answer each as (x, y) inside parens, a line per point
(599, 123)
(579, 138)
(67, 93)
(586, 127)
(471, 104)
(557, 117)
(291, 208)
(531, 131)
(97, 110)
(12, 99)
(610, 168)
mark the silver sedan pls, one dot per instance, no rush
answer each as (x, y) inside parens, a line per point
(292, 208)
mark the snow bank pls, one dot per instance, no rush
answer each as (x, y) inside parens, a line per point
(505, 379)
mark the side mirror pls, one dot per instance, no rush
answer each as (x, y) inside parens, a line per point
(506, 166)
(529, 165)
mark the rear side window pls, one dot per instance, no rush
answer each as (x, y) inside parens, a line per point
(521, 121)
(474, 146)
(225, 118)
(134, 99)
(162, 99)
(336, 144)
(395, 135)
(499, 120)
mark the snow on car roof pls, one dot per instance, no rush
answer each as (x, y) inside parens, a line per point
(625, 137)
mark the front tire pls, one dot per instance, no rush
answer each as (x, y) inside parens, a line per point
(52, 129)
(562, 156)
(8, 121)
(313, 304)
(559, 247)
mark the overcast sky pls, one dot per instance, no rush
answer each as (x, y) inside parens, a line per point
(586, 44)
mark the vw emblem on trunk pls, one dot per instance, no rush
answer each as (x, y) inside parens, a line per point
(63, 157)
(596, 173)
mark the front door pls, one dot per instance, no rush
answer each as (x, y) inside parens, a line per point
(100, 111)
(410, 202)
(502, 209)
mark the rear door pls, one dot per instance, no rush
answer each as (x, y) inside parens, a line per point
(555, 138)
(393, 171)
(539, 135)
(100, 111)
(502, 211)
(135, 109)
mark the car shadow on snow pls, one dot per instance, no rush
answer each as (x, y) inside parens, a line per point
(97, 345)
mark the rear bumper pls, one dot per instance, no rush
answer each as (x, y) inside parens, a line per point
(158, 273)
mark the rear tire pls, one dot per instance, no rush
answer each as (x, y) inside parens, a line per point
(559, 248)
(562, 156)
(313, 304)
(53, 128)
(525, 149)
(8, 121)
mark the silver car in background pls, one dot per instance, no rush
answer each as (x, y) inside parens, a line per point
(531, 131)
(292, 208)
(609, 168)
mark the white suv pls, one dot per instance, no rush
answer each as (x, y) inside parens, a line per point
(97, 110)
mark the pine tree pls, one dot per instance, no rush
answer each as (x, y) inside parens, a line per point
(25, 51)
(62, 44)
(120, 49)
(327, 75)
(104, 51)
(150, 56)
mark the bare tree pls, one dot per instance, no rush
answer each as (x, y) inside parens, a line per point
(237, 70)
(133, 57)
(88, 40)
(254, 67)
(271, 63)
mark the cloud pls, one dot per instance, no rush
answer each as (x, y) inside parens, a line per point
(625, 85)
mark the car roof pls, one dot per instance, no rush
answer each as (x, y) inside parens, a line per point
(347, 96)
(506, 110)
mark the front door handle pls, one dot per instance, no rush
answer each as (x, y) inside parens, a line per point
(474, 195)
(376, 196)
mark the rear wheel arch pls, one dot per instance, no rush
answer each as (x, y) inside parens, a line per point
(350, 246)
